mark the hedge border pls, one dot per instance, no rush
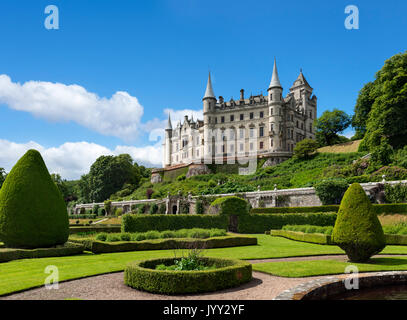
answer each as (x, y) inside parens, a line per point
(73, 230)
(231, 273)
(68, 249)
(82, 216)
(96, 246)
(259, 223)
(317, 238)
(162, 222)
(387, 208)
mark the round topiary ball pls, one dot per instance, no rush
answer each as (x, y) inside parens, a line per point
(33, 213)
(357, 229)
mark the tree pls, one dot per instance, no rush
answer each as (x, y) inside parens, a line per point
(2, 176)
(108, 174)
(388, 114)
(329, 125)
(362, 109)
(357, 229)
(33, 213)
(305, 148)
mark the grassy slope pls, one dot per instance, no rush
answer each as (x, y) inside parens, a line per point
(295, 269)
(23, 274)
(289, 174)
(351, 146)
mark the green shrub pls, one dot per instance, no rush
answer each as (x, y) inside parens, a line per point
(101, 212)
(95, 209)
(198, 233)
(396, 193)
(161, 208)
(101, 236)
(181, 177)
(143, 223)
(153, 209)
(125, 236)
(357, 229)
(33, 213)
(168, 234)
(112, 237)
(199, 207)
(217, 233)
(152, 234)
(331, 191)
(231, 206)
(118, 212)
(108, 207)
(138, 237)
(182, 233)
(229, 273)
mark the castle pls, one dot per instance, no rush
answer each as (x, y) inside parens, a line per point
(260, 126)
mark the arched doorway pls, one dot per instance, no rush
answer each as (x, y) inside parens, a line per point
(174, 209)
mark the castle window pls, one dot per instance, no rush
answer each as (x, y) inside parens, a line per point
(231, 148)
(197, 152)
(222, 119)
(310, 127)
(216, 120)
(232, 134)
(271, 143)
(310, 114)
(251, 146)
(271, 111)
(232, 118)
(251, 132)
(261, 131)
(302, 126)
(261, 114)
(223, 148)
(241, 147)
(298, 125)
(197, 141)
(261, 144)
(292, 118)
(241, 132)
(271, 96)
(251, 115)
(241, 117)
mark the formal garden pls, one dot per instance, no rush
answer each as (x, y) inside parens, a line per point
(189, 253)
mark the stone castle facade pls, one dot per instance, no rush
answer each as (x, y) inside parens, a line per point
(258, 126)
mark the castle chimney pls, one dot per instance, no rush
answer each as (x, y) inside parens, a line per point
(242, 94)
(221, 99)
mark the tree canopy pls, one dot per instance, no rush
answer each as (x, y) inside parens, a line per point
(385, 121)
(305, 148)
(329, 125)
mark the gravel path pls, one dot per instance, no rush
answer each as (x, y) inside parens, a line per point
(111, 287)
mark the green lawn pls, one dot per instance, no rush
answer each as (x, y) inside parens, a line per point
(23, 274)
(295, 269)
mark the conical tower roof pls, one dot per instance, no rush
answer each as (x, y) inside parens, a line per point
(169, 124)
(209, 90)
(275, 81)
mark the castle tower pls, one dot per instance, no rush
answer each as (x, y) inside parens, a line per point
(168, 146)
(209, 103)
(275, 103)
(302, 92)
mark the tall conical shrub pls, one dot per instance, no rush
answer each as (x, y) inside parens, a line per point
(357, 229)
(33, 213)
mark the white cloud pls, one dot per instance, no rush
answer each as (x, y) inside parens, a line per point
(72, 159)
(117, 116)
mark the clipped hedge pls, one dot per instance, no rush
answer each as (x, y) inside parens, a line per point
(73, 230)
(231, 206)
(396, 239)
(317, 238)
(161, 222)
(259, 223)
(229, 273)
(67, 249)
(314, 209)
(82, 216)
(393, 208)
(166, 244)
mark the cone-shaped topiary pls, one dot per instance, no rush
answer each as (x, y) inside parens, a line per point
(357, 229)
(33, 213)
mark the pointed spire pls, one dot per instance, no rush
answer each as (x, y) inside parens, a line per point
(209, 90)
(169, 125)
(275, 81)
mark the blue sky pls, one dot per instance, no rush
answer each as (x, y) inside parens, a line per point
(158, 53)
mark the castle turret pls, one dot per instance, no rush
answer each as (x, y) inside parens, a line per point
(168, 146)
(275, 103)
(209, 103)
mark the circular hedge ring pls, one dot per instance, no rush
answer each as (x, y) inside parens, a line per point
(142, 275)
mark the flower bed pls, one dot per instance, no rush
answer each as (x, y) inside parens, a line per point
(142, 275)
